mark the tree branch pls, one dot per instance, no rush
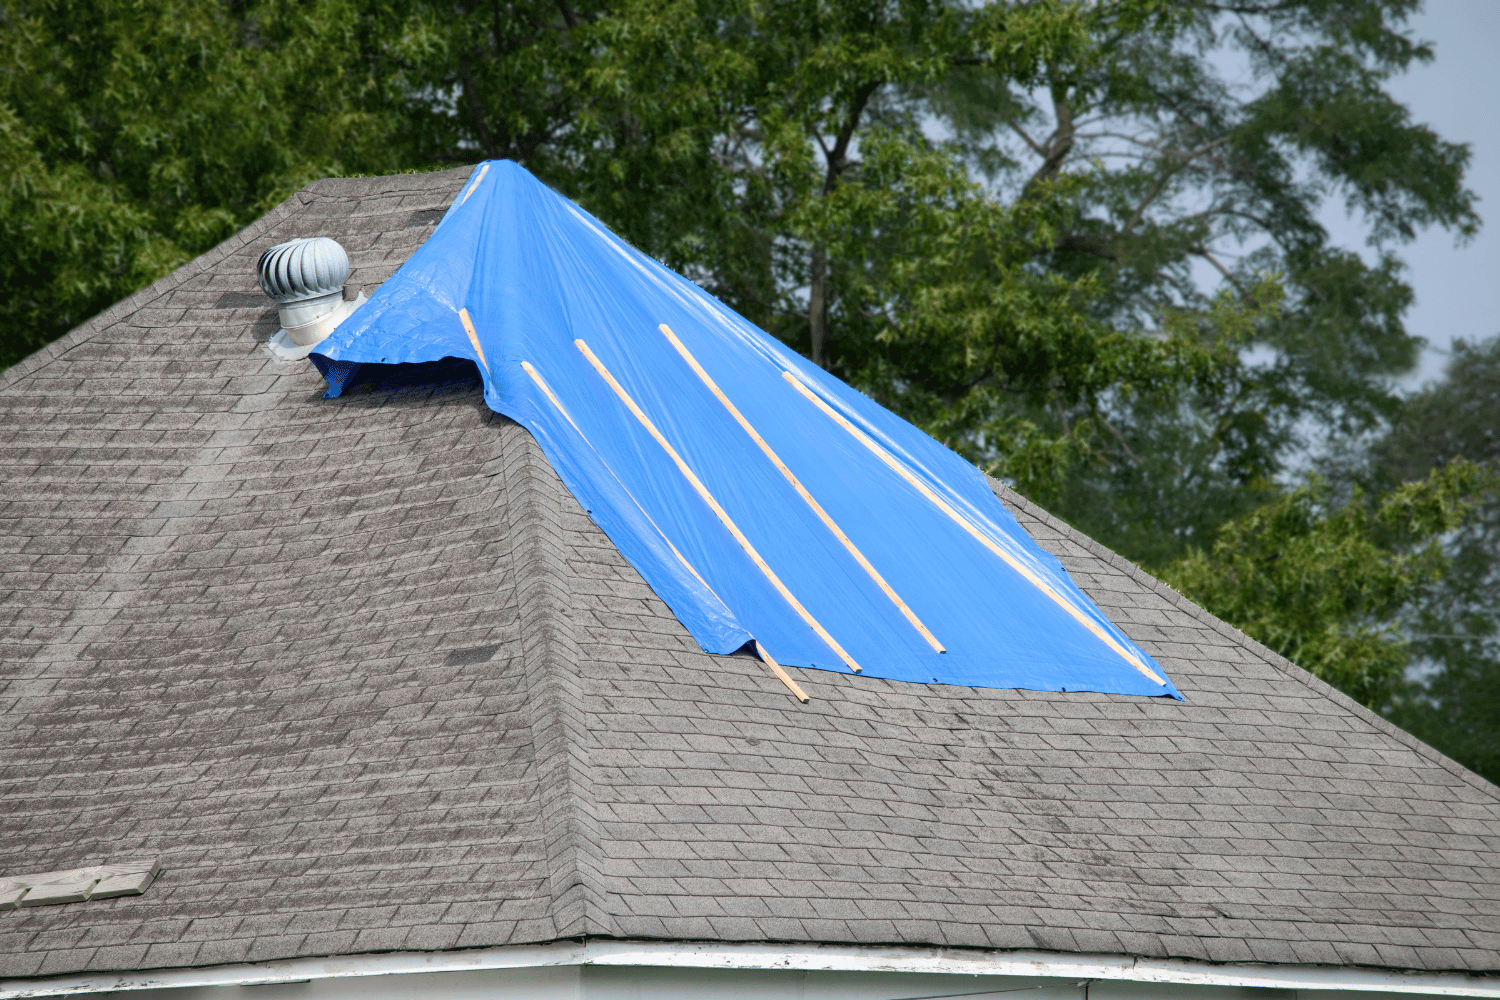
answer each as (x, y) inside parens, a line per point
(1183, 159)
(1096, 244)
(1059, 143)
(1203, 252)
(1035, 146)
(837, 158)
(1246, 8)
(1120, 438)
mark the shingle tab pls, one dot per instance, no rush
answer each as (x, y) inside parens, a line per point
(243, 627)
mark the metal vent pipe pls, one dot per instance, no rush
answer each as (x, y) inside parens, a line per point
(306, 279)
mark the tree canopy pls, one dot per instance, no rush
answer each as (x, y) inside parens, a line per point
(1328, 585)
(1076, 242)
(1454, 628)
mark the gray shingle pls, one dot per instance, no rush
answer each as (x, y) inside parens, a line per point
(230, 622)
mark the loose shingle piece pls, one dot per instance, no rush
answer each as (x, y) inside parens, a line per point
(367, 678)
(77, 884)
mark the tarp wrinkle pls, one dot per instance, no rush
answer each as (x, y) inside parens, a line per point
(761, 498)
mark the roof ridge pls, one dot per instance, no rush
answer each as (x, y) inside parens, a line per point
(323, 187)
(1275, 659)
(80, 334)
(535, 500)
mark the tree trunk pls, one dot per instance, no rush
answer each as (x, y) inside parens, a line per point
(476, 110)
(817, 306)
(838, 162)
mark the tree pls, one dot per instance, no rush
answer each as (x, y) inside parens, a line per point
(135, 136)
(1328, 585)
(1395, 599)
(710, 134)
(988, 217)
(985, 215)
(1454, 699)
(1181, 165)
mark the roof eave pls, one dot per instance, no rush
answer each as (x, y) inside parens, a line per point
(800, 957)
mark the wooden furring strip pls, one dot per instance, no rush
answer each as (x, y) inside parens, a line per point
(463, 314)
(713, 504)
(807, 497)
(779, 671)
(536, 377)
(973, 530)
(484, 168)
(541, 384)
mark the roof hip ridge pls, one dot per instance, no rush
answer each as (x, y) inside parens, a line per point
(83, 332)
(571, 832)
(1275, 659)
(323, 187)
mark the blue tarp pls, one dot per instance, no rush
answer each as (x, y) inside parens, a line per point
(806, 518)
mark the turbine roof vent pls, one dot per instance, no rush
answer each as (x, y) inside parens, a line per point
(303, 269)
(305, 278)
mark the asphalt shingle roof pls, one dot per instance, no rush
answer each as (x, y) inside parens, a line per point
(230, 616)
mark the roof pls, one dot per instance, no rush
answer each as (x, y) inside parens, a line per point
(238, 623)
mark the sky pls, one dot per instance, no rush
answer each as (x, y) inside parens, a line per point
(1457, 287)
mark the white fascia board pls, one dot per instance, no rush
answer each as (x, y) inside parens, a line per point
(837, 958)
